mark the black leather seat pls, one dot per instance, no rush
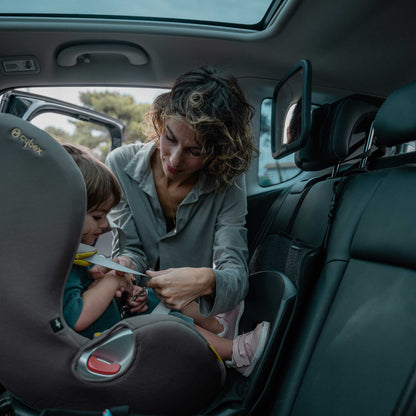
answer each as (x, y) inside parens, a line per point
(291, 248)
(356, 350)
(296, 234)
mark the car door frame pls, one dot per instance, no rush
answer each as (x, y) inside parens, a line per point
(32, 105)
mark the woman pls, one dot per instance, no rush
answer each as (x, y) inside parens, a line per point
(184, 199)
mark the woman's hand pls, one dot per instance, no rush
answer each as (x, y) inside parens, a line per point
(177, 288)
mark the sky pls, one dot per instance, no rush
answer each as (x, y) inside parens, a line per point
(71, 94)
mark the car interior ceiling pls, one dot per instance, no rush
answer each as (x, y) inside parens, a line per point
(331, 251)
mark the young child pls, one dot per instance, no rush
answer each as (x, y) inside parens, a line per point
(89, 305)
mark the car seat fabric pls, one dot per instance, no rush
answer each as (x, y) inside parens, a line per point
(356, 352)
(166, 367)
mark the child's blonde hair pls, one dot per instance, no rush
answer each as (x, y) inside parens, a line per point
(100, 182)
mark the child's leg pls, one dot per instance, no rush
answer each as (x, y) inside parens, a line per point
(224, 347)
(242, 353)
(209, 323)
(224, 324)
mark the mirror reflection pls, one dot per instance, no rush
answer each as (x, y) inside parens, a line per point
(291, 101)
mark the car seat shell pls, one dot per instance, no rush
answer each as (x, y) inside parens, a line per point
(171, 370)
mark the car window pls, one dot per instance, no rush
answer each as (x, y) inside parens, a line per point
(238, 13)
(127, 105)
(271, 171)
(65, 129)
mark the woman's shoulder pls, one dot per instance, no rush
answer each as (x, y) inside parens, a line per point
(122, 156)
(124, 153)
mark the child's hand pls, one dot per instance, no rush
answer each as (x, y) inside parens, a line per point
(98, 272)
(138, 300)
(124, 261)
(127, 282)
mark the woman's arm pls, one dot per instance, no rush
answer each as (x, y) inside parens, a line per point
(220, 288)
(179, 287)
(126, 241)
(230, 253)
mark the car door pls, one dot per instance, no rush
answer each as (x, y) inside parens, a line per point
(28, 106)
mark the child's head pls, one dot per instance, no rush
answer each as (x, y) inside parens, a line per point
(103, 191)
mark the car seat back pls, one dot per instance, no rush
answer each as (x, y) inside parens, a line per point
(296, 232)
(356, 351)
(292, 246)
(153, 364)
(288, 251)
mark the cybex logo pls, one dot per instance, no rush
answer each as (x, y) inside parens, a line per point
(27, 141)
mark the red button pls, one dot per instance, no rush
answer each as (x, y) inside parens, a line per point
(99, 366)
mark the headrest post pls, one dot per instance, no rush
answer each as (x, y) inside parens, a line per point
(368, 144)
(335, 170)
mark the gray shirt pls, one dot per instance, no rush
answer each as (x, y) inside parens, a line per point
(210, 227)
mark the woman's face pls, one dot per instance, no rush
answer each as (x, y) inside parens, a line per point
(96, 222)
(180, 153)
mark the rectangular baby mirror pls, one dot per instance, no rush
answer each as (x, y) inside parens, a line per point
(291, 111)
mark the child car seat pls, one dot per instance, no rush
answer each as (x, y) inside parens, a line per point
(155, 364)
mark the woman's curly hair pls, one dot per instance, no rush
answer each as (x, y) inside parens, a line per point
(215, 107)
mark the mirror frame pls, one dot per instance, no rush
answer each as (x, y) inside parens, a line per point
(280, 149)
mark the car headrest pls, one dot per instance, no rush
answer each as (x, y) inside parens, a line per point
(156, 364)
(395, 122)
(332, 132)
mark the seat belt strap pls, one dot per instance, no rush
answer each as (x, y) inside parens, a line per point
(87, 255)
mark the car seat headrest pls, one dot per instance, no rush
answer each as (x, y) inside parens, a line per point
(395, 122)
(156, 364)
(332, 132)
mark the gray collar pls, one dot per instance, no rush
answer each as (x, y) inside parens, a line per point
(139, 169)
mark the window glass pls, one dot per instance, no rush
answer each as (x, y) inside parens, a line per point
(66, 129)
(227, 12)
(126, 104)
(271, 171)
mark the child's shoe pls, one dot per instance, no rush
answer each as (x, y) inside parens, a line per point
(248, 348)
(230, 320)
